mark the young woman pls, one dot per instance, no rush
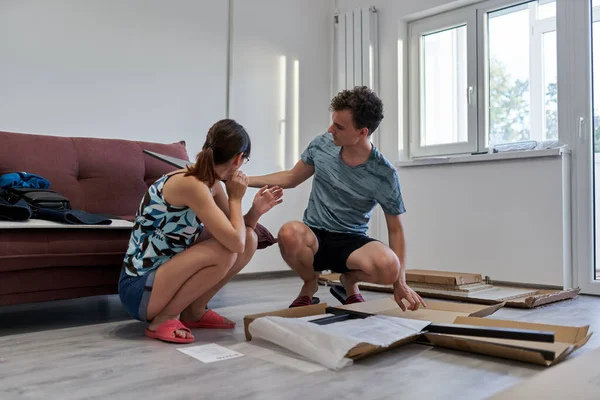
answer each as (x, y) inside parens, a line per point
(190, 238)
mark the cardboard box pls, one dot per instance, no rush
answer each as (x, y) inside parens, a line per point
(543, 297)
(437, 311)
(512, 297)
(577, 378)
(567, 339)
(442, 277)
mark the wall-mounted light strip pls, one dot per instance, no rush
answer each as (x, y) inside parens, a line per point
(282, 110)
(296, 116)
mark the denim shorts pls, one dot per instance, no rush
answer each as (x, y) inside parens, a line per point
(134, 292)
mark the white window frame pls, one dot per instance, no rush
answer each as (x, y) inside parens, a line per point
(475, 18)
(575, 122)
(417, 30)
(536, 71)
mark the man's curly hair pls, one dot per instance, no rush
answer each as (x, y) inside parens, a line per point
(366, 107)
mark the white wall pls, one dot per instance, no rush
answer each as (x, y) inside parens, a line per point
(514, 234)
(137, 69)
(503, 219)
(271, 40)
(156, 70)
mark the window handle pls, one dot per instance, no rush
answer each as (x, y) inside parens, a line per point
(470, 95)
(580, 126)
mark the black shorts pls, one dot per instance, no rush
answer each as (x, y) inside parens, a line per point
(335, 248)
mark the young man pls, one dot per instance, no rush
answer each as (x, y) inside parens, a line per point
(350, 178)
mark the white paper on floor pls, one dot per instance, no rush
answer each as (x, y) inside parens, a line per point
(329, 344)
(208, 353)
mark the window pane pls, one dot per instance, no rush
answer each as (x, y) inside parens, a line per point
(596, 91)
(444, 110)
(546, 9)
(509, 97)
(550, 93)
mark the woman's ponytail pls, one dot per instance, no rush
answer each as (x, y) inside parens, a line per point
(224, 140)
(204, 169)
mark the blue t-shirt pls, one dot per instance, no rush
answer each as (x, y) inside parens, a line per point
(342, 198)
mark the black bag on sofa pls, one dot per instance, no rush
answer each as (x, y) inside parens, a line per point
(13, 208)
(42, 198)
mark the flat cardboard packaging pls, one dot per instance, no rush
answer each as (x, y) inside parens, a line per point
(577, 378)
(437, 311)
(567, 338)
(535, 298)
(442, 277)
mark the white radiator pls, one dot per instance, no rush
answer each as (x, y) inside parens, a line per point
(356, 55)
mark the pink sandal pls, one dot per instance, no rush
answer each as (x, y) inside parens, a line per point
(303, 301)
(210, 320)
(166, 332)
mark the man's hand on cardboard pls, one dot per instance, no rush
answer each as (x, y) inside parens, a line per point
(403, 291)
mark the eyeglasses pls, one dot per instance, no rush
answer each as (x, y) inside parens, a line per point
(246, 160)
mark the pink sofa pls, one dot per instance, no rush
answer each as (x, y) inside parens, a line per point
(106, 176)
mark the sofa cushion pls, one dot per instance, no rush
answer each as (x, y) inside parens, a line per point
(107, 176)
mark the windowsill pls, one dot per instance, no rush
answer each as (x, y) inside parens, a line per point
(459, 159)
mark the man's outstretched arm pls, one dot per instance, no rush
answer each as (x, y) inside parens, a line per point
(284, 179)
(398, 246)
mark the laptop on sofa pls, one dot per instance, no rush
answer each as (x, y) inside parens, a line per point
(174, 161)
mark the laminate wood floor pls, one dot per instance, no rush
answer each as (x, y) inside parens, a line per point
(90, 349)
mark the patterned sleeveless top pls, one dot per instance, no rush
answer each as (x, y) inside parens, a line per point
(160, 231)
